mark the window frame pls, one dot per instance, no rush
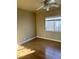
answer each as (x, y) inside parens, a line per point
(57, 18)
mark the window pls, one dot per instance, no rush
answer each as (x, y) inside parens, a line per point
(53, 24)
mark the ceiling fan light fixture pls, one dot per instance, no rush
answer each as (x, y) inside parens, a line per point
(47, 9)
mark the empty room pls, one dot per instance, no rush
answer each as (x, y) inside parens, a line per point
(39, 29)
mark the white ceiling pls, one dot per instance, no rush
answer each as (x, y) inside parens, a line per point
(31, 5)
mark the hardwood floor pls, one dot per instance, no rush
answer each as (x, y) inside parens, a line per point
(40, 49)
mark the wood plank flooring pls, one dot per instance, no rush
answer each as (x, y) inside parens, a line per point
(40, 49)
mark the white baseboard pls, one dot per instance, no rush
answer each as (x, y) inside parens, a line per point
(48, 38)
(25, 40)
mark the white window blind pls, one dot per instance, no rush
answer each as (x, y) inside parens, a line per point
(53, 24)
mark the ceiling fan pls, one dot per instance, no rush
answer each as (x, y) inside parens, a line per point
(47, 4)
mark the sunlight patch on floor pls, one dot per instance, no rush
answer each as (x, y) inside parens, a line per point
(22, 51)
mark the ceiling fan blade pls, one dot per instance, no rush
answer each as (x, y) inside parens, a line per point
(40, 7)
(54, 5)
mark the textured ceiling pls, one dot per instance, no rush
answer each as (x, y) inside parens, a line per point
(31, 5)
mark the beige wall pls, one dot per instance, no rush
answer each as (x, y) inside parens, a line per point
(25, 24)
(28, 28)
(40, 22)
